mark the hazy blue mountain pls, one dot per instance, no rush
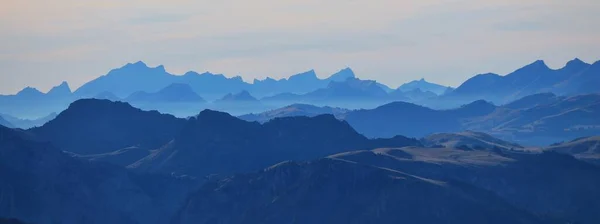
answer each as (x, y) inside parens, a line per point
(298, 84)
(401, 118)
(212, 86)
(527, 181)
(545, 122)
(5, 123)
(138, 77)
(28, 123)
(173, 93)
(337, 191)
(243, 96)
(124, 81)
(61, 91)
(40, 184)
(586, 81)
(239, 103)
(413, 95)
(351, 93)
(218, 143)
(533, 101)
(31, 103)
(293, 110)
(91, 126)
(107, 96)
(423, 86)
(576, 77)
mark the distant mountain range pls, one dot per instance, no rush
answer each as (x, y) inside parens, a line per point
(539, 119)
(109, 162)
(424, 86)
(150, 88)
(175, 93)
(26, 123)
(576, 77)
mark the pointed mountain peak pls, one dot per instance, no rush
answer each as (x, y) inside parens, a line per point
(576, 63)
(310, 74)
(161, 68)
(422, 80)
(140, 63)
(342, 75)
(63, 88)
(539, 64)
(29, 91)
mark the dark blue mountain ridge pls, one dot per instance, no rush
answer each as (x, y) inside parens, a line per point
(91, 126)
(36, 176)
(216, 142)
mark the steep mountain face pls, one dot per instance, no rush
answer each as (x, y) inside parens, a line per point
(423, 86)
(527, 181)
(43, 185)
(294, 110)
(61, 91)
(216, 142)
(93, 126)
(174, 93)
(576, 77)
(585, 148)
(335, 191)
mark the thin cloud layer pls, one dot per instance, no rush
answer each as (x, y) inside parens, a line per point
(43, 43)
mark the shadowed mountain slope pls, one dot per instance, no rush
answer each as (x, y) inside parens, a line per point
(335, 191)
(92, 126)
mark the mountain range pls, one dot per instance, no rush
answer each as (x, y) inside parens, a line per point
(539, 119)
(149, 88)
(108, 162)
(576, 77)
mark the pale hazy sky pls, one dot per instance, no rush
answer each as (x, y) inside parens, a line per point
(393, 41)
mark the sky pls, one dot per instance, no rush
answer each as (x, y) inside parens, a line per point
(43, 43)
